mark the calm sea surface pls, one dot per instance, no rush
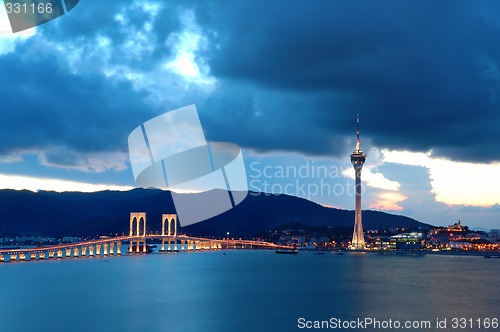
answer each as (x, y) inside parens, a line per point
(244, 291)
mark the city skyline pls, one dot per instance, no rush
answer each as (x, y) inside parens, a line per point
(427, 94)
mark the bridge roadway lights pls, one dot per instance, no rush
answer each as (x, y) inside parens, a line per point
(137, 236)
(112, 247)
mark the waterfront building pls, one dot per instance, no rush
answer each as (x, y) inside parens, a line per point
(409, 241)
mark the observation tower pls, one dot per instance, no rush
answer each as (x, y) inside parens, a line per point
(358, 159)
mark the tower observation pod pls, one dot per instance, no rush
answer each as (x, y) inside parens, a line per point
(358, 159)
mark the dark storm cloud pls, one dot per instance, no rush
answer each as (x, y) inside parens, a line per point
(423, 75)
(43, 106)
(266, 120)
(291, 76)
(119, 22)
(58, 98)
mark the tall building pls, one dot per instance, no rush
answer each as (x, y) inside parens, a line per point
(358, 159)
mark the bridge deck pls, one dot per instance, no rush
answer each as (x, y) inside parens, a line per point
(181, 238)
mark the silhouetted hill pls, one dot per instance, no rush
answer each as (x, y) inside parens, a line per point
(107, 212)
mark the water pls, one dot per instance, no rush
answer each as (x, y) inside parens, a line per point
(243, 291)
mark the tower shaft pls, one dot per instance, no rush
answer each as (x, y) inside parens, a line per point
(358, 239)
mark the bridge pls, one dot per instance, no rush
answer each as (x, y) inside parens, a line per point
(137, 240)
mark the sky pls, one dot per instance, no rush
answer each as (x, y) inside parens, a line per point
(282, 79)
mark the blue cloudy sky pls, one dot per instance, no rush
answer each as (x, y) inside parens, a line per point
(282, 79)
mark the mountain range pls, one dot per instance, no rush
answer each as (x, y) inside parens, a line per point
(107, 212)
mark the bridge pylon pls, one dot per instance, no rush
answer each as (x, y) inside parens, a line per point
(171, 220)
(138, 219)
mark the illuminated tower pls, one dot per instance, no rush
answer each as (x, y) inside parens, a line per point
(358, 159)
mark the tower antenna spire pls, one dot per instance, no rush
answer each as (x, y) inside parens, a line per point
(358, 142)
(357, 126)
